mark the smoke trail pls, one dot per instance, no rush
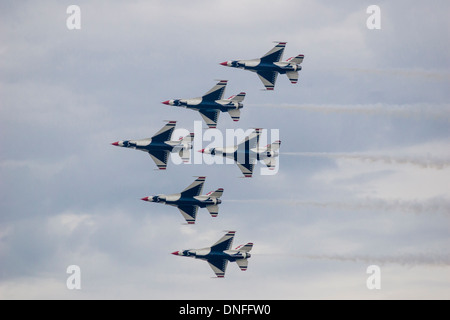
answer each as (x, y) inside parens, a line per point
(416, 161)
(419, 111)
(417, 259)
(410, 73)
(431, 206)
(429, 259)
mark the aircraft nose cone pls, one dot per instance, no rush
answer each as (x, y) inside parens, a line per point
(166, 102)
(224, 63)
(175, 253)
(145, 199)
(115, 143)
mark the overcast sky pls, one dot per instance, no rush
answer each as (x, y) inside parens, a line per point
(364, 178)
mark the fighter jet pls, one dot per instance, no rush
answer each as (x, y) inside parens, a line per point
(190, 199)
(211, 103)
(219, 254)
(160, 145)
(247, 152)
(269, 65)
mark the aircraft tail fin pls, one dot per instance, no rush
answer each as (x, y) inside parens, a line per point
(238, 97)
(188, 138)
(274, 146)
(297, 60)
(246, 247)
(218, 193)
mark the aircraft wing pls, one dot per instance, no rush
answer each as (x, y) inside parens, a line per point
(210, 117)
(275, 54)
(246, 168)
(216, 92)
(194, 189)
(165, 133)
(224, 243)
(268, 78)
(250, 141)
(189, 213)
(219, 266)
(160, 157)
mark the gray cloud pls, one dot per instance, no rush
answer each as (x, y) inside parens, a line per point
(69, 197)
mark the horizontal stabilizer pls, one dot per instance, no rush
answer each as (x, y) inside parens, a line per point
(242, 263)
(185, 154)
(235, 114)
(271, 163)
(292, 76)
(213, 210)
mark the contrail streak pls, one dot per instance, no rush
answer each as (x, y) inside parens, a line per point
(428, 259)
(431, 206)
(416, 161)
(417, 259)
(409, 73)
(420, 110)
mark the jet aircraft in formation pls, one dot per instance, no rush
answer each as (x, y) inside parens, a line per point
(160, 145)
(189, 200)
(220, 253)
(211, 103)
(269, 66)
(246, 153)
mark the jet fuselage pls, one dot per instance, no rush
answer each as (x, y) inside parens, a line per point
(177, 200)
(199, 104)
(148, 145)
(242, 155)
(207, 254)
(256, 65)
